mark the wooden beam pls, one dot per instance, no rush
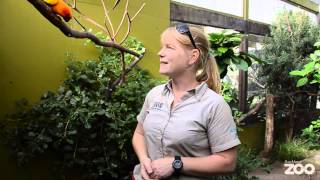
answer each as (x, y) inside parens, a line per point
(243, 75)
(305, 4)
(243, 80)
(199, 16)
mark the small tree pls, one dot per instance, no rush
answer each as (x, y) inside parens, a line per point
(292, 38)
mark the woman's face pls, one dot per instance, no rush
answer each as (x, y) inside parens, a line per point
(175, 58)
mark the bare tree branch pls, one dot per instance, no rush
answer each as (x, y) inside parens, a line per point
(138, 11)
(130, 22)
(256, 82)
(128, 31)
(133, 64)
(123, 65)
(107, 18)
(116, 4)
(109, 33)
(125, 14)
(74, 6)
(122, 19)
(66, 30)
(66, 128)
(84, 28)
(253, 111)
(105, 22)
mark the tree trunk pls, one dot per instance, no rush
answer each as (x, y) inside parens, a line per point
(269, 125)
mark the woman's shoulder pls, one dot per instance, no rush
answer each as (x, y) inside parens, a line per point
(216, 102)
(213, 96)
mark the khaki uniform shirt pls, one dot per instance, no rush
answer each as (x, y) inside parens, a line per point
(201, 124)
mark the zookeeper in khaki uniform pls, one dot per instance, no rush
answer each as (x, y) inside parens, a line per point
(185, 128)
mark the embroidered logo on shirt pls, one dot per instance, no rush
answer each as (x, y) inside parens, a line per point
(157, 105)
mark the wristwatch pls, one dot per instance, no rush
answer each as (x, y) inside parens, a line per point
(177, 165)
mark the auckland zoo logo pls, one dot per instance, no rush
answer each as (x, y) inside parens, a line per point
(297, 168)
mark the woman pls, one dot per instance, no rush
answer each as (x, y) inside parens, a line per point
(185, 128)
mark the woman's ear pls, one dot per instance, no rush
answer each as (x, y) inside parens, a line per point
(195, 55)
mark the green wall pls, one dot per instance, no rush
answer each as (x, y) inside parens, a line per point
(33, 55)
(253, 135)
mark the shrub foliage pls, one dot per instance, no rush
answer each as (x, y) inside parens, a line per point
(84, 127)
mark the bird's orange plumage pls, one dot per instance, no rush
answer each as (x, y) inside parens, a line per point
(61, 8)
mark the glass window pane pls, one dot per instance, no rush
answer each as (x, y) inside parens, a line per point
(233, 7)
(266, 11)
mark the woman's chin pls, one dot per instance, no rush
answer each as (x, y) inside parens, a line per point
(164, 72)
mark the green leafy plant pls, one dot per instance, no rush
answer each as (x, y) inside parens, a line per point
(230, 96)
(310, 73)
(229, 93)
(79, 123)
(293, 149)
(312, 133)
(223, 47)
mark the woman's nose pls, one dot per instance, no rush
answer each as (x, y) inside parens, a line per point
(160, 53)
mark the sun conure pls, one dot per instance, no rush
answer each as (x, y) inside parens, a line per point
(61, 8)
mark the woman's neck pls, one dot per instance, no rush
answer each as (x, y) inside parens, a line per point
(184, 83)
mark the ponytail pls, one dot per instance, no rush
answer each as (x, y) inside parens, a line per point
(210, 73)
(213, 74)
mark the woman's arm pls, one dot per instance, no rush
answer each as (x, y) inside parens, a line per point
(217, 163)
(140, 149)
(138, 143)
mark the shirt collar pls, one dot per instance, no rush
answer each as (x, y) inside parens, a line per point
(197, 91)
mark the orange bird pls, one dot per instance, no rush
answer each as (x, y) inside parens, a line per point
(61, 8)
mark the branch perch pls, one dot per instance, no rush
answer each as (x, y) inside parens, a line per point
(66, 30)
(47, 12)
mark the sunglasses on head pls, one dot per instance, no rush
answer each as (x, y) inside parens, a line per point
(184, 29)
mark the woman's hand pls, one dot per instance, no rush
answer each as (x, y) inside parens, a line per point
(145, 168)
(162, 168)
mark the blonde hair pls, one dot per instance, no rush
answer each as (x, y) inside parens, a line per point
(206, 66)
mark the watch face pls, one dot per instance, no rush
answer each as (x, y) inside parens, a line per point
(177, 164)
